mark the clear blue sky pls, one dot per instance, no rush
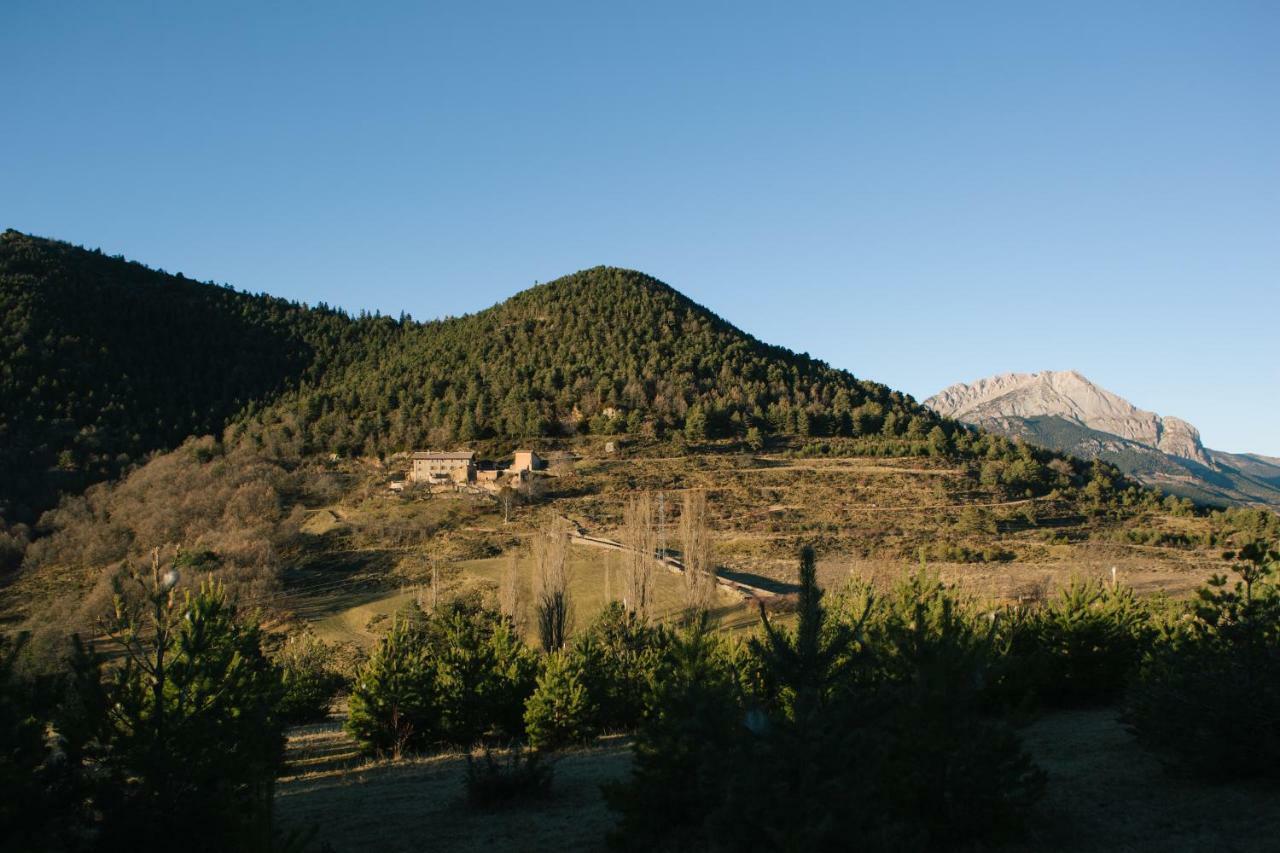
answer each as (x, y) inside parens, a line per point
(922, 193)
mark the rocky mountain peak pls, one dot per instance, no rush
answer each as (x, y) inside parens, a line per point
(1067, 394)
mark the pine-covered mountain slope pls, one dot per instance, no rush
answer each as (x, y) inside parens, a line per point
(1064, 411)
(103, 361)
(604, 350)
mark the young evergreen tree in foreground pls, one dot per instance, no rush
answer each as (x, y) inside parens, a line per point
(858, 729)
(559, 713)
(456, 675)
(1208, 695)
(183, 732)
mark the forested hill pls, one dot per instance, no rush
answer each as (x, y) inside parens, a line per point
(106, 360)
(604, 350)
(103, 361)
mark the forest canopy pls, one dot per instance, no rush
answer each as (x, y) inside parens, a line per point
(103, 361)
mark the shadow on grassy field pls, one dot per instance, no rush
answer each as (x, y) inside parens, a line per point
(1104, 794)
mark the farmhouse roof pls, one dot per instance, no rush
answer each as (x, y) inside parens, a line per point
(465, 455)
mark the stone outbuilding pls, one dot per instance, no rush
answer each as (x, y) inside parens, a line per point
(525, 460)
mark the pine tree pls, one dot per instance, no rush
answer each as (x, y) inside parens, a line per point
(801, 670)
(392, 704)
(186, 725)
(685, 750)
(560, 712)
(695, 424)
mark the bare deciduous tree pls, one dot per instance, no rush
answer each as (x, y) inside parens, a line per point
(506, 499)
(638, 563)
(551, 585)
(510, 599)
(699, 567)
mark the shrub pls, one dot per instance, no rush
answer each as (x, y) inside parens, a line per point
(453, 676)
(559, 712)
(685, 749)
(522, 775)
(483, 673)
(392, 706)
(1081, 648)
(1208, 696)
(41, 795)
(310, 678)
(863, 729)
(949, 770)
(616, 658)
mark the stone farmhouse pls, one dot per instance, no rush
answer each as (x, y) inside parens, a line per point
(434, 467)
(460, 468)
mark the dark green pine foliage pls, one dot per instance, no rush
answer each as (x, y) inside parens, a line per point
(456, 675)
(560, 713)
(183, 733)
(1082, 647)
(861, 729)
(1207, 698)
(42, 800)
(690, 743)
(618, 655)
(551, 359)
(103, 361)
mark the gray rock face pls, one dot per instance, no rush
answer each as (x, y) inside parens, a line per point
(1066, 412)
(1072, 397)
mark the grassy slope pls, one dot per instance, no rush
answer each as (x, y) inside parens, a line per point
(870, 518)
(418, 803)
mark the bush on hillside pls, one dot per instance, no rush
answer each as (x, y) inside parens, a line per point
(484, 673)
(617, 657)
(392, 707)
(311, 679)
(862, 728)
(183, 739)
(685, 750)
(42, 792)
(949, 770)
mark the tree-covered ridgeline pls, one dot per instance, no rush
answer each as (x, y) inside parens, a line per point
(103, 361)
(604, 350)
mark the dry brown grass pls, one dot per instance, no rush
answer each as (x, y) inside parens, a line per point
(345, 617)
(866, 517)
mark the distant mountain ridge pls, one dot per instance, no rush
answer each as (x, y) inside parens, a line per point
(1064, 411)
